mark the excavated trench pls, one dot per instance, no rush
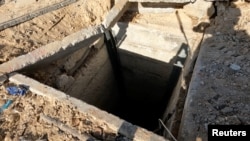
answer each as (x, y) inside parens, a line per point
(134, 82)
(138, 94)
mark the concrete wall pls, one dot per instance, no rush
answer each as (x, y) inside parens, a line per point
(94, 81)
(145, 78)
(85, 74)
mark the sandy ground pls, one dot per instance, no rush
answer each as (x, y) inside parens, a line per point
(16, 8)
(225, 74)
(220, 91)
(25, 119)
(50, 27)
(228, 67)
(32, 117)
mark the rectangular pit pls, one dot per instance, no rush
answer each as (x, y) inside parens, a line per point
(151, 64)
(94, 82)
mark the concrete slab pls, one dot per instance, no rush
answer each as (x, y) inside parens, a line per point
(115, 14)
(153, 8)
(153, 43)
(54, 50)
(176, 23)
(200, 9)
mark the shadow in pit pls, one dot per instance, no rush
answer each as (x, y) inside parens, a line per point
(2, 46)
(149, 84)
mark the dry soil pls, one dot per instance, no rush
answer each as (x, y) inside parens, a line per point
(50, 27)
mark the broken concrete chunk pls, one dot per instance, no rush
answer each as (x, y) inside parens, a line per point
(200, 9)
(235, 67)
(64, 81)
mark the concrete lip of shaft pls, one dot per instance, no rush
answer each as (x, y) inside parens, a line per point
(116, 124)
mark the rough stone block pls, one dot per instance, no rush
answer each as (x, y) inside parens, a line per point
(200, 9)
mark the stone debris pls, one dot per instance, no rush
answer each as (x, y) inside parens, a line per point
(235, 67)
(222, 67)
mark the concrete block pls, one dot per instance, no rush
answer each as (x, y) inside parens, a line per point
(115, 13)
(75, 60)
(95, 78)
(150, 8)
(200, 9)
(153, 43)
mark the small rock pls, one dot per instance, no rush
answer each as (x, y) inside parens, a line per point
(244, 50)
(233, 120)
(211, 118)
(230, 53)
(3, 78)
(2, 102)
(227, 110)
(64, 81)
(240, 58)
(227, 62)
(202, 82)
(235, 67)
(98, 133)
(248, 69)
(75, 122)
(13, 117)
(218, 33)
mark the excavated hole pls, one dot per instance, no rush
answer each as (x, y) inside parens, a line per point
(146, 91)
(140, 97)
(143, 99)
